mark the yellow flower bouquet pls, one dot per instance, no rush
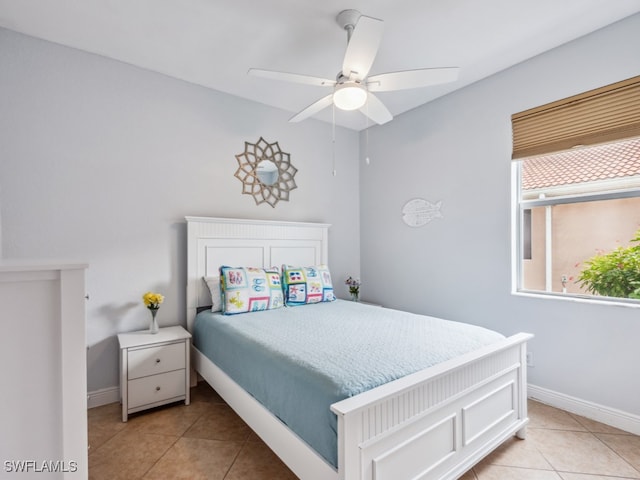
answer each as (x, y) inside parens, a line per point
(152, 301)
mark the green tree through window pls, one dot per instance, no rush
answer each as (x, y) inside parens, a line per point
(614, 274)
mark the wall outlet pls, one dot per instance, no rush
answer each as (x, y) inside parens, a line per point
(529, 359)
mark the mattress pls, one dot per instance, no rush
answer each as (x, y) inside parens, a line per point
(297, 361)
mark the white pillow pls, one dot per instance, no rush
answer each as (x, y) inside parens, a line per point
(214, 288)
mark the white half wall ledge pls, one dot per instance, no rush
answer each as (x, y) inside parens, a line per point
(593, 411)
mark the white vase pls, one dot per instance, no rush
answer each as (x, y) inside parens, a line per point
(153, 327)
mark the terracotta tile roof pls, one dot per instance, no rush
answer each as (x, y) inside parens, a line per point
(582, 165)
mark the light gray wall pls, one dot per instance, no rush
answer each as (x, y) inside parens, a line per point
(101, 161)
(457, 150)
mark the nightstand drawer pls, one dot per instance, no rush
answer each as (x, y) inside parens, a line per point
(156, 388)
(153, 360)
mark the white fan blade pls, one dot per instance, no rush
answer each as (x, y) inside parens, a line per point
(375, 110)
(362, 48)
(313, 108)
(291, 77)
(423, 77)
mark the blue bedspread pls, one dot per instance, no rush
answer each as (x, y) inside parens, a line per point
(297, 361)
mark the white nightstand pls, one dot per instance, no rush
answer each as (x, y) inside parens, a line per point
(154, 368)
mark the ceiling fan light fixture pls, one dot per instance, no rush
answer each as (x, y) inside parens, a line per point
(349, 96)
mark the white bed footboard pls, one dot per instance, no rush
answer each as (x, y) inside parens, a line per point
(436, 423)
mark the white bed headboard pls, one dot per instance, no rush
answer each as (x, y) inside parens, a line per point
(212, 242)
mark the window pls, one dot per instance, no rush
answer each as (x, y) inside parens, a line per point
(578, 209)
(573, 206)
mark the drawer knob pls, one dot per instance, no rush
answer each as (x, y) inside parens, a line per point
(157, 389)
(157, 360)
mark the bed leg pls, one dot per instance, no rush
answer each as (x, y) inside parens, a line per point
(522, 433)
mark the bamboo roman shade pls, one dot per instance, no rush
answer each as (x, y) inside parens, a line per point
(602, 115)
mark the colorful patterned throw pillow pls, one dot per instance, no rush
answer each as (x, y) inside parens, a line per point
(303, 285)
(248, 289)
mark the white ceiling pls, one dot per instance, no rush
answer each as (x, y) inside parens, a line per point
(214, 42)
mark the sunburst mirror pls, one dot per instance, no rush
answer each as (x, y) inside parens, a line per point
(266, 172)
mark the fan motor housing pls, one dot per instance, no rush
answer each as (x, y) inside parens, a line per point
(347, 19)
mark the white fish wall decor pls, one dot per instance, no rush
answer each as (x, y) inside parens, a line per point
(418, 212)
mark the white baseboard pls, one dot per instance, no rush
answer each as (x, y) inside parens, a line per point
(609, 416)
(103, 396)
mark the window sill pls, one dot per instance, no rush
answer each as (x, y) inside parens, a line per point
(627, 303)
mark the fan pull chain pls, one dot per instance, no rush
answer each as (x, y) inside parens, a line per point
(367, 160)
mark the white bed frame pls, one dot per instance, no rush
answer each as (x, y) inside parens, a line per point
(434, 424)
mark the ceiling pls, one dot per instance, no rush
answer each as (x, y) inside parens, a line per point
(214, 42)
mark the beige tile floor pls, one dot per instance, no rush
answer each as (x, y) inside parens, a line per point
(207, 440)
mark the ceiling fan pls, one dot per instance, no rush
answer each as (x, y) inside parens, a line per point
(353, 88)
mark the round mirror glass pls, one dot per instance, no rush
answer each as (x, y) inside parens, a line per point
(267, 172)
